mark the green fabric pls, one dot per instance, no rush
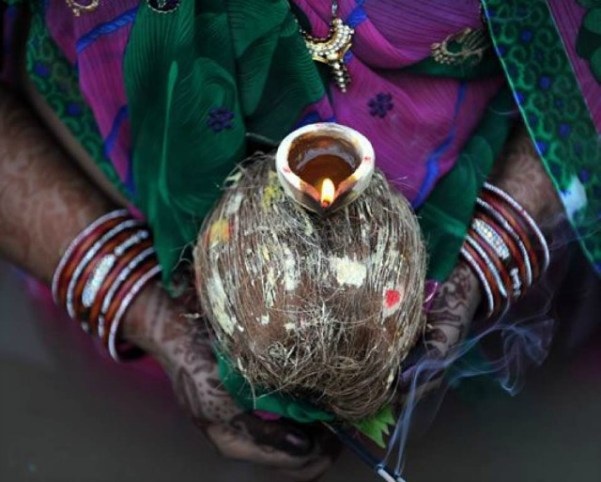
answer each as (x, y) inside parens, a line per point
(240, 52)
(242, 57)
(176, 123)
(56, 80)
(446, 216)
(588, 43)
(272, 402)
(554, 111)
(375, 428)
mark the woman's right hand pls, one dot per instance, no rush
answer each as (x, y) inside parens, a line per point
(182, 345)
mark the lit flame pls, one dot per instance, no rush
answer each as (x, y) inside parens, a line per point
(328, 190)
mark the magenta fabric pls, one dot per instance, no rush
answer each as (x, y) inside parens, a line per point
(419, 138)
(568, 18)
(95, 43)
(418, 124)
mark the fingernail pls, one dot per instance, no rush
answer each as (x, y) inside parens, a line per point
(296, 442)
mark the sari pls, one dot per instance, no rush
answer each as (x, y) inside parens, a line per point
(249, 80)
(224, 77)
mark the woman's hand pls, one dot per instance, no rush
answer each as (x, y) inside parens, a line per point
(182, 346)
(448, 322)
(520, 173)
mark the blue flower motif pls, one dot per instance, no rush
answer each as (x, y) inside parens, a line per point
(541, 147)
(584, 175)
(545, 82)
(220, 118)
(564, 129)
(41, 69)
(526, 36)
(73, 109)
(380, 105)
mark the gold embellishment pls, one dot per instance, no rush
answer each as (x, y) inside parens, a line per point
(331, 50)
(467, 46)
(77, 8)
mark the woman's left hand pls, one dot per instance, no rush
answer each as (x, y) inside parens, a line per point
(448, 321)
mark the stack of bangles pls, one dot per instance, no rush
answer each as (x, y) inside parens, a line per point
(504, 248)
(102, 271)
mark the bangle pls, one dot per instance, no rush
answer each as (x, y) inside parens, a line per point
(81, 242)
(506, 228)
(519, 228)
(123, 272)
(504, 248)
(102, 271)
(499, 268)
(152, 273)
(465, 254)
(527, 218)
(88, 282)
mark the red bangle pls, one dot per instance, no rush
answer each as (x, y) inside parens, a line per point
(499, 265)
(102, 271)
(518, 227)
(87, 276)
(74, 255)
(109, 282)
(489, 278)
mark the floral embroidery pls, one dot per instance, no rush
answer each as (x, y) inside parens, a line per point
(380, 105)
(220, 118)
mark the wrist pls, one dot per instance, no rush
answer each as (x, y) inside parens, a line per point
(142, 323)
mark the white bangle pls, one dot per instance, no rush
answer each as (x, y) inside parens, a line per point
(104, 266)
(518, 207)
(483, 281)
(491, 266)
(106, 302)
(112, 342)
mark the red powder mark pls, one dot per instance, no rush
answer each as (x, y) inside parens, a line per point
(391, 298)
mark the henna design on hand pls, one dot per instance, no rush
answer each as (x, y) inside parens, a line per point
(182, 345)
(452, 311)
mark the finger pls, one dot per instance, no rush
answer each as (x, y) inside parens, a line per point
(282, 435)
(442, 337)
(233, 444)
(310, 472)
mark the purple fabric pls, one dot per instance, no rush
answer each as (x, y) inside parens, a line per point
(425, 120)
(96, 42)
(418, 124)
(568, 18)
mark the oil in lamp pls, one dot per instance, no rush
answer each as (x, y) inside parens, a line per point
(325, 166)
